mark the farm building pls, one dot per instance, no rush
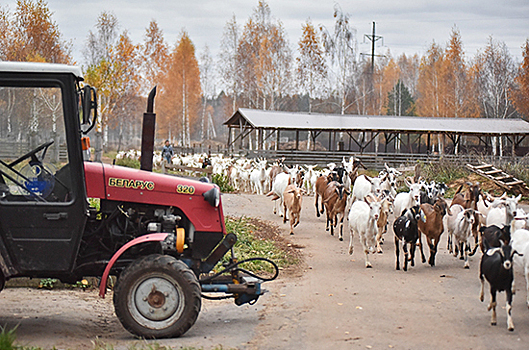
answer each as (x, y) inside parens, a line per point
(257, 130)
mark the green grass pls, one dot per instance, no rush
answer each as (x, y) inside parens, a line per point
(249, 245)
(129, 162)
(223, 183)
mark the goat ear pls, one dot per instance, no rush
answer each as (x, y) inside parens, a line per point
(518, 197)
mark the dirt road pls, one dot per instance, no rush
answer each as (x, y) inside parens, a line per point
(334, 303)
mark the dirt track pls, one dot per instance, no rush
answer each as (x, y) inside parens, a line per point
(333, 303)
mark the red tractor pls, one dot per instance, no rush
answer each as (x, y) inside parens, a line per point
(160, 235)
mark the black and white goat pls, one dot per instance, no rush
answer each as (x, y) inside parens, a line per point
(496, 267)
(406, 231)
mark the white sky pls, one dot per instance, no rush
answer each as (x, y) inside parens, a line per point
(407, 26)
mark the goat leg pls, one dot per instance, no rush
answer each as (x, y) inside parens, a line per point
(526, 272)
(351, 235)
(412, 253)
(423, 258)
(397, 253)
(492, 306)
(406, 254)
(508, 308)
(482, 292)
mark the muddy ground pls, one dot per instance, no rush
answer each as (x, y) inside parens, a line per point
(330, 301)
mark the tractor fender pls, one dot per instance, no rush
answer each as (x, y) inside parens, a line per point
(154, 237)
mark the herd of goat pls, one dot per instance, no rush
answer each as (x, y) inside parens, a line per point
(473, 219)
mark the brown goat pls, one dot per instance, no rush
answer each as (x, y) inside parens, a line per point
(292, 200)
(321, 186)
(433, 227)
(386, 208)
(335, 201)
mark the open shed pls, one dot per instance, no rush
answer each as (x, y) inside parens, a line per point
(260, 130)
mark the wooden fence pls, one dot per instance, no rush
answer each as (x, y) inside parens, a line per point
(376, 161)
(12, 149)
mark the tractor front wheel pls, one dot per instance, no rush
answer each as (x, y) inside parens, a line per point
(157, 297)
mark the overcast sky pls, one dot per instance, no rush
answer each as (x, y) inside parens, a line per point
(407, 26)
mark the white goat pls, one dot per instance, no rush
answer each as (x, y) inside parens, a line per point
(279, 185)
(364, 185)
(310, 179)
(459, 225)
(405, 200)
(363, 218)
(504, 212)
(390, 183)
(258, 177)
(520, 243)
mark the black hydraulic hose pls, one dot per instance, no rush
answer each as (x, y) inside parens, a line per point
(233, 267)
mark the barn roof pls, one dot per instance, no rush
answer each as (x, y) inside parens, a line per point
(404, 124)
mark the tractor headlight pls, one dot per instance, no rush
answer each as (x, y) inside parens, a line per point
(213, 196)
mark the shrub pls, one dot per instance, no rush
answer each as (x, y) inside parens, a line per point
(128, 162)
(223, 182)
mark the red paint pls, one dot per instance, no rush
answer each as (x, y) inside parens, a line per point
(119, 183)
(147, 238)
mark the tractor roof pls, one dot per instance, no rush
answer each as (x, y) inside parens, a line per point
(35, 67)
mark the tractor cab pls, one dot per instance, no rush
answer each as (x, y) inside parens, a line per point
(160, 235)
(43, 202)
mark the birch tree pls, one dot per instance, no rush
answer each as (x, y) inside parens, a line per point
(460, 98)
(495, 72)
(341, 47)
(311, 65)
(264, 59)
(207, 78)
(429, 85)
(227, 64)
(181, 93)
(154, 56)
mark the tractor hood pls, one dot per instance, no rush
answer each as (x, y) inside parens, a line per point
(117, 183)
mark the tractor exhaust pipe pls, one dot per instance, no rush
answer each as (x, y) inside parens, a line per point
(148, 130)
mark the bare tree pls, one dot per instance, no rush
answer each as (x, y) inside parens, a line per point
(207, 78)
(227, 64)
(341, 46)
(100, 43)
(495, 72)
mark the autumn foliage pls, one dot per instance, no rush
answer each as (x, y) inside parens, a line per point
(258, 68)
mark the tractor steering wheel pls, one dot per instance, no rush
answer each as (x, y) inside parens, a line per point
(33, 153)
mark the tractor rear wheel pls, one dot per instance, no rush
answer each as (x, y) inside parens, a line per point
(157, 297)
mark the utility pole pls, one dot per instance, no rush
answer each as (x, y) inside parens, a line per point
(374, 38)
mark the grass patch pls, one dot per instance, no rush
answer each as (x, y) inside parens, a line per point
(223, 182)
(128, 162)
(256, 238)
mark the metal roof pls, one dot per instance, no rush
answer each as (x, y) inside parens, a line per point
(405, 124)
(6, 66)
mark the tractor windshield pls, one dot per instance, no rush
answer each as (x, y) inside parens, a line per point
(33, 152)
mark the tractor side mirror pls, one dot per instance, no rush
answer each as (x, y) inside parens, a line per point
(89, 104)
